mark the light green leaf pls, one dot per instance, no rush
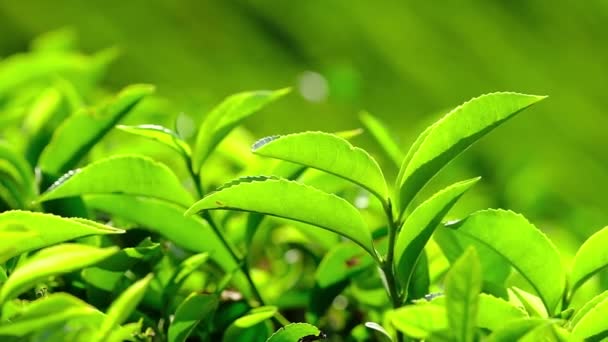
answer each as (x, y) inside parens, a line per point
(81, 131)
(451, 135)
(495, 312)
(341, 263)
(328, 153)
(421, 320)
(54, 260)
(239, 327)
(294, 332)
(592, 323)
(125, 174)
(524, 246)
(382, 333)
(419, 226)
(590, 258)
(380, 132)
(123, 306)
(23, 173)
(588, 307)
(161, 134)
(194, 309)
(549, 331)
(49, 311)
(11, 240)
(194, 233)
(226, 116)
(515, 330)
(462, 288)
(291, 200)
(47, 229)
(533, 304)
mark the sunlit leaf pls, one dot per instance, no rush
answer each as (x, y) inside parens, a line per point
(54, 260)
(590, 305)
(81, 131)
(451, 135)
(161, 134)
(592, 323)
(524, 246)
(123, 306)
(48, 229)
(421, 320)
(382, 135)
(590, 258)
(419, 226)
(248, 326)
(462, 287)
(226, 116)
(327, 152)
(291, 200)
(294, 332)
(194, 309)
(125, 174)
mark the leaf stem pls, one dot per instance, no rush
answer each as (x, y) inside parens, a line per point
(387, 265)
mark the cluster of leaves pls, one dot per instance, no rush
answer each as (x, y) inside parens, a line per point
(117, 248)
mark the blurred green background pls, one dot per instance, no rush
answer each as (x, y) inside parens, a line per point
(406, 62)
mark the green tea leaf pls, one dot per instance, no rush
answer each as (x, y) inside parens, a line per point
(451, 135)
(495, 312)
(49, 311)
(549, 331)
(328, 153)
(81, 131)
(524, 245)
(194, 233)
(54, 260)
(123, 306)
(185, 269)
(590, 258)
(421, 320)
(11, 239)
(238, 329)
(419, 226)
(126, 174)
(294, 332)
(23, 174)
(160, 134)
(592, 323)
(47, 229)
(515, 330)
(588, 307)
(462, 288)
(194, 309)
(380, 132)
(291, 200)
(341, 263)
(226, 116)
(533, 304)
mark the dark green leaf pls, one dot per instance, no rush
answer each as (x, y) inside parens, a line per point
(194, 309)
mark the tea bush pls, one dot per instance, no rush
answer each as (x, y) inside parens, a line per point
(309, 241)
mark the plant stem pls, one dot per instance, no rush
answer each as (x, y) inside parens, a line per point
(242, 261)
(387, 266)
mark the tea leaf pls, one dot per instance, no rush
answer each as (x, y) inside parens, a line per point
(47, 312)
(194, 309)
(590, 258)
(123, 306)
(524, 246)
(515, 330)
(81, 131)
(294, 332)
(126, 174)
(462, 288)
(421, 320)
(419, 226)
(160, 134)
(495, 312)
(46, 229)
(328, 153)
(238, 329)
(592, 323)
(340, 263)
(451, 135)
(590, 305)
(291, 200)
(54, 260)
(226, 116)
